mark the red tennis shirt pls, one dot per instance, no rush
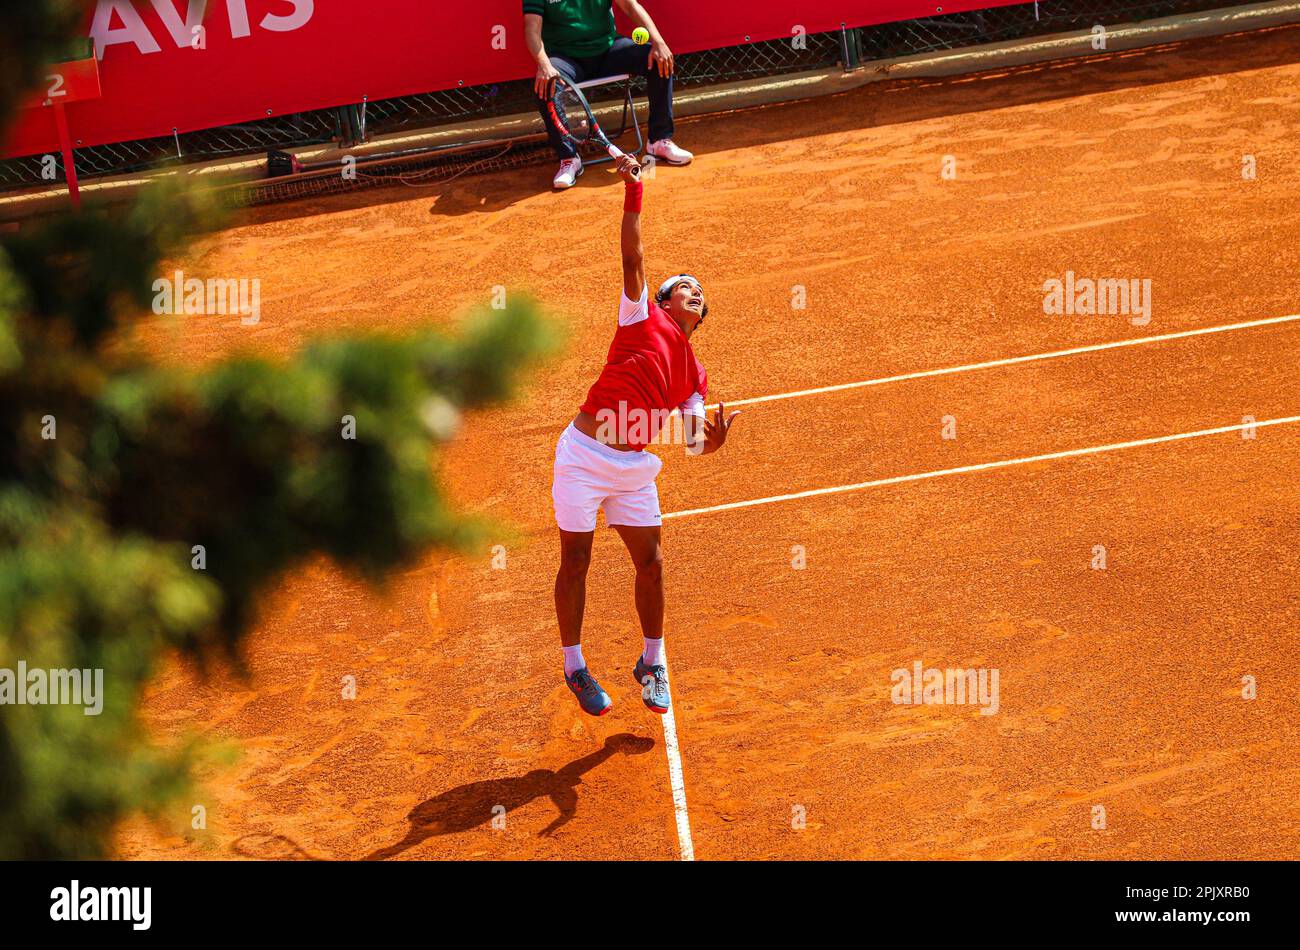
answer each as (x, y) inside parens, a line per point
(650, 370)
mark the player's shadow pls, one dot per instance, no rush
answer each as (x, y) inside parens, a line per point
(488, 193)
(464, 195)
(472, 805)
(262, 846)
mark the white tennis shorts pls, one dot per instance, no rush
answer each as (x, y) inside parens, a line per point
(590, 475)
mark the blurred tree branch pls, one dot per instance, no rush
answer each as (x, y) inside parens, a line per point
(247, 459)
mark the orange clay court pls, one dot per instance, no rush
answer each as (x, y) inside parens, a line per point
(1119, 687)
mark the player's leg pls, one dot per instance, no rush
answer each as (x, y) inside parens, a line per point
(570, 164)
(571, 588)
(577, 492)
(647, 557)
(626, 56)
(635, 516)
(570, 603)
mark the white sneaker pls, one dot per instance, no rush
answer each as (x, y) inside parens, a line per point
(666, 150)
(568, 174)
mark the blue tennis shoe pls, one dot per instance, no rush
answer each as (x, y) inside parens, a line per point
(591, 697)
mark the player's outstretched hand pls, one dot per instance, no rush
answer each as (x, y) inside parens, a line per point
(715, 429)
(629, 168)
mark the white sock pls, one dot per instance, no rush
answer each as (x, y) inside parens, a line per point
(654, 652)
(573, 659)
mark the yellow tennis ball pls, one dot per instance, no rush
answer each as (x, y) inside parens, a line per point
(641, 36)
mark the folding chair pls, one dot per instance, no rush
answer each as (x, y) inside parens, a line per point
(629, 108)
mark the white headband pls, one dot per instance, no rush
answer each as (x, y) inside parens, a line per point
(667, 286)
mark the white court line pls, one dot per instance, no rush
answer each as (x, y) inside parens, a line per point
(670, 725)
(675, 779)
(983, 466)
(1012, 360)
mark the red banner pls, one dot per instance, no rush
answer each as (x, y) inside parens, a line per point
(181, 65)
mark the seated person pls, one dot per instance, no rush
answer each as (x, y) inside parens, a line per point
(578, 38)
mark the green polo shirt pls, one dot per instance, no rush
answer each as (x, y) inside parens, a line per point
(578, 28)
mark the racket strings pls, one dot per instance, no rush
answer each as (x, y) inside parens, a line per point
(571, 115)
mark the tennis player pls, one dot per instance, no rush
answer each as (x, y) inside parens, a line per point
(601, 459)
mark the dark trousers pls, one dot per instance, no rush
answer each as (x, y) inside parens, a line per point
(623, 57)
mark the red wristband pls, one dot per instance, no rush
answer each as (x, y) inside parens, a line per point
(632, 196)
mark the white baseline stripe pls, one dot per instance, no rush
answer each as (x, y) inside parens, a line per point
(984, 466)
(1012, 360)
(675, 779)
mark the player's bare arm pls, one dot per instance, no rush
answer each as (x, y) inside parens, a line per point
(629, 170)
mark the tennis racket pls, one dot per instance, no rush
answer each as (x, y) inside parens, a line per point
(572, 118)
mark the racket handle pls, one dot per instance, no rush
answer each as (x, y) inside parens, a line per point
(616, 153)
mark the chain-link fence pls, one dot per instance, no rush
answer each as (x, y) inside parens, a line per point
(121, 158)
(931, 34)
(729, 64)
(849, 48)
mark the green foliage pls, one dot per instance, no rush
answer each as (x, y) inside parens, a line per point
(74, 597)
(254, 460)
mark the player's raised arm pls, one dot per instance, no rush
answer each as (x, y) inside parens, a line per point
(633, 253)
